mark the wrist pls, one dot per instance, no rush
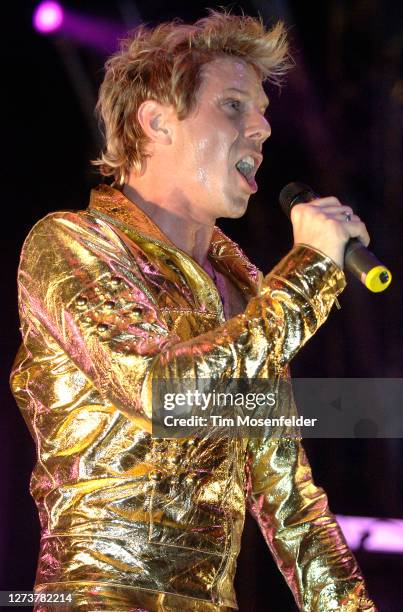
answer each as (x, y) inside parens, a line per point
(336, 255)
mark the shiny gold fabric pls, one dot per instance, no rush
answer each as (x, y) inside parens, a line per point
(107, 303)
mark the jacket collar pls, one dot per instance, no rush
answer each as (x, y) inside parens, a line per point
(224, 253)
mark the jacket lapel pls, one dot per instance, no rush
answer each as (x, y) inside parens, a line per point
(224, 254)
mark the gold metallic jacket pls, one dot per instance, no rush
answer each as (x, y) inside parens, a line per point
(107, 302)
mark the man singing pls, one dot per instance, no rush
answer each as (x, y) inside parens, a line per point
(142, 286)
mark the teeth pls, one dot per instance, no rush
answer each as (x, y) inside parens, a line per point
(248, 159)
(246, 165)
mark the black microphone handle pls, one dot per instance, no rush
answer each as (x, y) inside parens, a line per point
(358, 260)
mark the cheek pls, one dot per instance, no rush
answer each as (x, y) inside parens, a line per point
(197, 152)
(202, 149)
(208, 151)
(212, 152)
(207, 159)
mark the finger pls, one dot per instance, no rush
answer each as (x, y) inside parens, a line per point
(345, 214)
(349, 218)
(326, 202)
(329, 211)
(329, 207)
(341, 212)
(336, 212)
(357, 229)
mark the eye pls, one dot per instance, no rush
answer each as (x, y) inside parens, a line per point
(234, 104)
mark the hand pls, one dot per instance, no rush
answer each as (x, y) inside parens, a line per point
(322, 224)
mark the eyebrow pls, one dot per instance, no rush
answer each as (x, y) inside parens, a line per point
(243, 92)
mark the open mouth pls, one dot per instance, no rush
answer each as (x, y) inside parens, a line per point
(247, 169)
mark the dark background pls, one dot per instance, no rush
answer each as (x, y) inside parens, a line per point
(336, 125)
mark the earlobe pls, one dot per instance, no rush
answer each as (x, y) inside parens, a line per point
(152, 117)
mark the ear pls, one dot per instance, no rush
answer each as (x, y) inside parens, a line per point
(154, 118)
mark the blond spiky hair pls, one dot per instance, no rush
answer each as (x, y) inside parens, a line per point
(164, 63)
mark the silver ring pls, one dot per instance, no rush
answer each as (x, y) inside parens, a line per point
(347, 216)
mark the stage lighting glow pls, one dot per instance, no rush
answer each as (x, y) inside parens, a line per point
(48, 17)
(373, 534)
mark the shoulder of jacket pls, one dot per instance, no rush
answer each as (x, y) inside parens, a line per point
(55, 218)
(68, 220)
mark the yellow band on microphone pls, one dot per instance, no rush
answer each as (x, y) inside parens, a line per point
(378, 279)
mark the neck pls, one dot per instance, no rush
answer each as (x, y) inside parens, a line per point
(174, 217)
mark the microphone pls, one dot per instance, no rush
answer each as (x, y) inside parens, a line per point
(357, 258)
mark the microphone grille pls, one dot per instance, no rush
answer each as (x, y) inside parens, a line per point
(294, 193)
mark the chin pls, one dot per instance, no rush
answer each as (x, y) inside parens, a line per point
(232, 207)
(237, 208)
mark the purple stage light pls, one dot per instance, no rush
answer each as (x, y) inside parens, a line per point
(374, 534)
(48, 17)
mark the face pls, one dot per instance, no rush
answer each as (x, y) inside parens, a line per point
(227, 125)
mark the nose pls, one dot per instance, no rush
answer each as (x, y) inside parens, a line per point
(257, 128)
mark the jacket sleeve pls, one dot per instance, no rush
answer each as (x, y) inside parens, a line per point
(95, 297)
(300, 530)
